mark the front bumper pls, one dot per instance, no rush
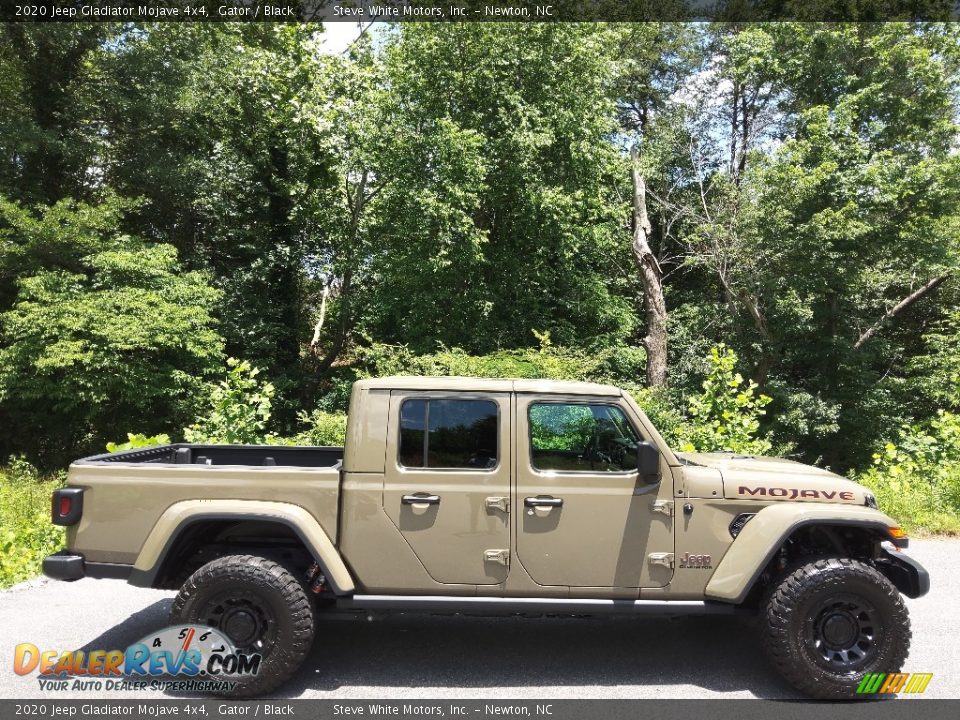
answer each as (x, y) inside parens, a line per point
(68, 566)
(909, 576)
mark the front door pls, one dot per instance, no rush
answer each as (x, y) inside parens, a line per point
(585, 518)
(447, 482)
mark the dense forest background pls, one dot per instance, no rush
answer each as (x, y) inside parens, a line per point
(748, 225)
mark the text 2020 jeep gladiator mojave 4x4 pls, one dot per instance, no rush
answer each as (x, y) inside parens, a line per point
(496, 496)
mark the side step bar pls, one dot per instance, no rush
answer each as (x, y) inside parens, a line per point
(513, 606)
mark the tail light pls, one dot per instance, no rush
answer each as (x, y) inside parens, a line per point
(67, 506)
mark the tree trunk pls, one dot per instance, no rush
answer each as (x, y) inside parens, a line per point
(356, 201)
(323, 316)
(343, 328)
(734, 129)
(654, 303)
(744, 136)
(768, 350)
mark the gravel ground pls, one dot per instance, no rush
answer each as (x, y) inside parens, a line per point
(412, 656)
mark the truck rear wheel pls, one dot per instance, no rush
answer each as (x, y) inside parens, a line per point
(831, 622)
(260, 606)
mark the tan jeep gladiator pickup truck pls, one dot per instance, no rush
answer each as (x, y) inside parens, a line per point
(489, 496)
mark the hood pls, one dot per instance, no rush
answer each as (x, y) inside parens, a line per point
(746, 477)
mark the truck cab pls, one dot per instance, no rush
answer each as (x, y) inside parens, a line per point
(505, 487)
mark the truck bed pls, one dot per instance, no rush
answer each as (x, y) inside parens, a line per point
(244, 455)
(125, 493)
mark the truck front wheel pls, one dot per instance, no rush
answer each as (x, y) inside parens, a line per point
(260, 606)
(832, 621)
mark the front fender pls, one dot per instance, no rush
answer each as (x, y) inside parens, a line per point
(766, 532)
(181, 515)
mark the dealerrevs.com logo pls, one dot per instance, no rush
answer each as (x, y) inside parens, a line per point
(180, 658)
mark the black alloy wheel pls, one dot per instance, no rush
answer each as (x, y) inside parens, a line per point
(261, 606)
(831, 621)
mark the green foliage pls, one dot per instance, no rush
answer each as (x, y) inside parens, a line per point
(813, 187)
(226, 136)
(26, 533)
(238, 410)
(322, 428)
(138, 440)
(46, 135)
(664, 408)
(726, 415)
(496, 169)
(555, 427)
(796, 417)
(549, 362)
(104, 331)
(170, 195)
(917, 478)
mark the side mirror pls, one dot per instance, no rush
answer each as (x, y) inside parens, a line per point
(648, 463)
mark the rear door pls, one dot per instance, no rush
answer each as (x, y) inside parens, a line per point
(447, 482)
(585, 518)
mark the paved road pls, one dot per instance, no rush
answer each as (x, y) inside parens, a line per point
(412, 656)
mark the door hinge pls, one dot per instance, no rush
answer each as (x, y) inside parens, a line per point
(665, 559)
(663, 506)
(498, 503)
(498, 556)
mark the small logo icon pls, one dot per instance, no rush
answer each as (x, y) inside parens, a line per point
(891, 683)
(701, 562)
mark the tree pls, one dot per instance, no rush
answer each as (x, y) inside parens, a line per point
(45, 138)
(225, 133)
(789, 189)
(497, 149)
(844, 220)
(356, 115)
(656, 61)
(656, 307)
(107, 334)
(736, 91)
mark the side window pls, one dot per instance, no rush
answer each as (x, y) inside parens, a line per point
(581, 437)
(449, 434)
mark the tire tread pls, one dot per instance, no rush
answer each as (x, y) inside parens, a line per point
(782, 610)
(287, 656)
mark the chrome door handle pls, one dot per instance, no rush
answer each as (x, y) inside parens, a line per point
(423, 499)
(543, 502)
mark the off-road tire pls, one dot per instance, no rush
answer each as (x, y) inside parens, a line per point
(286, 615)
(832, 621)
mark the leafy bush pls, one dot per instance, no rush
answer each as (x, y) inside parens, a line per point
(322, 428)
(548, 362)
(335, 392)
(26, 533)
(238, 409)
(660, 405)
(138, 440)
(726, 415)
(616, 363)
(917, 478)
(800, 418)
